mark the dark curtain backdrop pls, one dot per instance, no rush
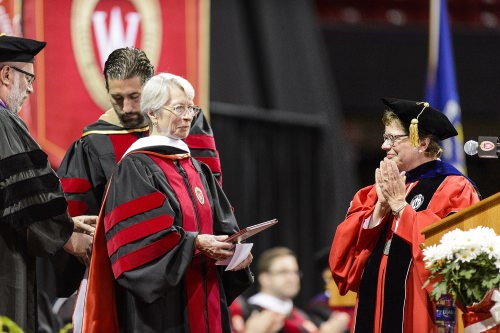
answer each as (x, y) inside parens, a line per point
(277, 125)
(372, 61)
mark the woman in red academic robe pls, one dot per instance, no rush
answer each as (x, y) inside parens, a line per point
(376, 249)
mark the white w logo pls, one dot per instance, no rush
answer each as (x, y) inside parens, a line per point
(116, 37)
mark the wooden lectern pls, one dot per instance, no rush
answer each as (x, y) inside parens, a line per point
(484, 213)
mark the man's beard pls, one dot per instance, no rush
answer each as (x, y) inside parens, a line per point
(135, 121)
(16, 98)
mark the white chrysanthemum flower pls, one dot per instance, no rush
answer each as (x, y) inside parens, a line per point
(452, 236)
(497, 265)
(431, 255)
(490, 246)
(468, 254)
(460, 250)
(495, 255)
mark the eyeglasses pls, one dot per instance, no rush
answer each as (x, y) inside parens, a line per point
(286, 272)
(392, 139)
(30, 77)
(180, 110)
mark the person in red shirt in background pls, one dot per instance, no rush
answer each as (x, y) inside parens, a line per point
(271, 309)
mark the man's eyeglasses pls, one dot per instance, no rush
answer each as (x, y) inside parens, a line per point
(286, 272)
(30, 77)
(392, 139)
(180, 110)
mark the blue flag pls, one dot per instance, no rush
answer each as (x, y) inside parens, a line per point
(441, 89)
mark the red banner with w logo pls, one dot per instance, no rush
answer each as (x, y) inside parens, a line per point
(80, 34)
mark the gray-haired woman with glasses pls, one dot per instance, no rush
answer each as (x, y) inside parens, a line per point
(161, 231)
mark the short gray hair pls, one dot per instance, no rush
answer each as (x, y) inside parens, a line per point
(156, 92)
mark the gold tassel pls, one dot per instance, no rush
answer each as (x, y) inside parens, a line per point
(414, 139)
(414, 132)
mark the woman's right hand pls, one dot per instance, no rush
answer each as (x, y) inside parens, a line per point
(214, 247)
(378, 181)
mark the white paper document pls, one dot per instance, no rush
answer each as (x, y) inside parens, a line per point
(241, 252)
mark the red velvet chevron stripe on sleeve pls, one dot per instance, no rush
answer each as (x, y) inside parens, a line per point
(75, 185)
(145, 254)
(212, 162)
(77, 207)
(200, 141)
(138, 231)
(133, 207)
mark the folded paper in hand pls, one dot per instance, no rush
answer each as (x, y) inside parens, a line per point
(241, 252)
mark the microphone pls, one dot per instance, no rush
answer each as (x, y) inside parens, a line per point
(485, 147)
(470, 147)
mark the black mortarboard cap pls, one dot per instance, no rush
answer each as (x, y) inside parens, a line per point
(17, 49)
(421, 116)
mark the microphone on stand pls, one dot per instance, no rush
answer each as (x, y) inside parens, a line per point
(485, 147)
(470, 147)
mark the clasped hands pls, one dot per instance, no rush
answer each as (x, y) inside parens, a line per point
(390, 186)
(80, 242)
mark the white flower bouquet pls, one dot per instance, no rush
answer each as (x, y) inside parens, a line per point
(466, 265)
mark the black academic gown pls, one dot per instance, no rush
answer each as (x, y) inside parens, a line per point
(33, 218)
(88, 165)
(157, 204)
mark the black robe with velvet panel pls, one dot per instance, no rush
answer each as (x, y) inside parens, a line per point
(33, 218)
(146, 275)
(88, 164)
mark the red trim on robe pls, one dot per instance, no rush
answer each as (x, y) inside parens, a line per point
(99, 314)
(138, 231)
(75, 185)
(213, 300)
(200, 141)
(145, 254)
(295, 322)
(77, 207)
(212, 162)
(133, 207)
(177, 182)
(121, 142)
(199, 275)
(196, 296)
(204, 214)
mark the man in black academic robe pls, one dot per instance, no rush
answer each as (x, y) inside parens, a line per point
(33, 212)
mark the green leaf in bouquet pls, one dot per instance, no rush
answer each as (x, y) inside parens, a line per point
(467, 273)
(438, 290)
(464, 264)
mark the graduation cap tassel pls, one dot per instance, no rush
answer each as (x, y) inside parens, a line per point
(414, 139)
(414, 132)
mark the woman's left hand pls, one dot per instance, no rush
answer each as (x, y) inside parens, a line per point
(392, 183)
(214, 247)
